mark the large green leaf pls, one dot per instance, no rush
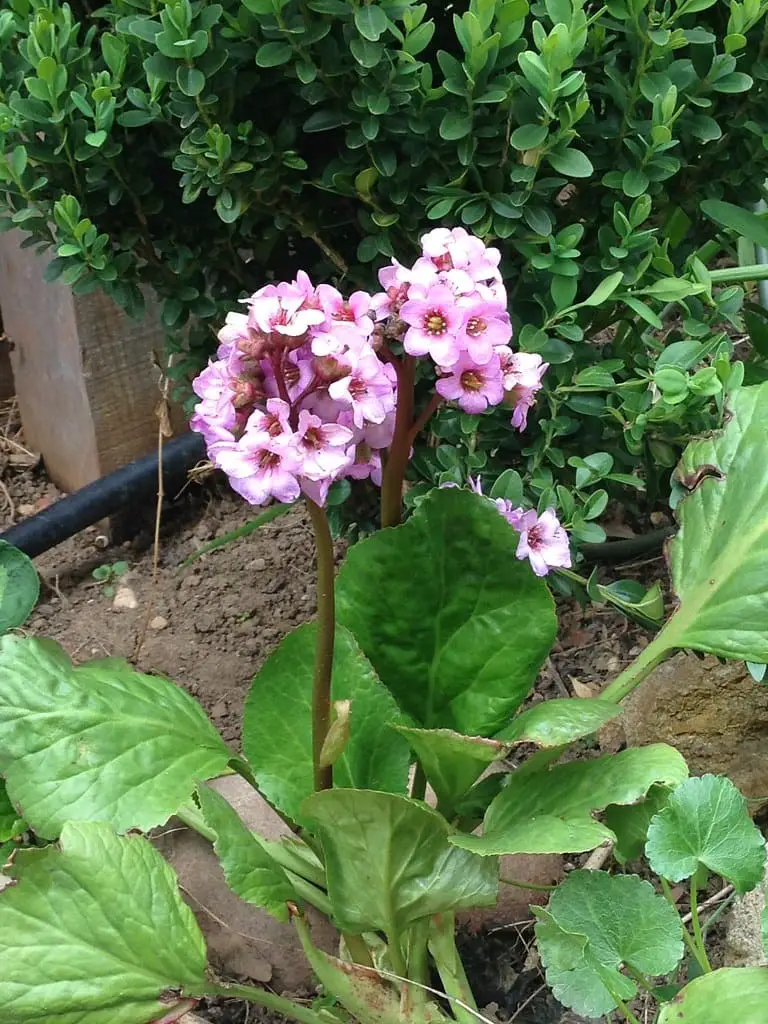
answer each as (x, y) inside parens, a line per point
(629, 823)
(453, 623)
(277, 723)
(738, 994)
(743, 222)
(550, 811)
(452, 762)
(706, 822)
(248, 866)
(19, 586)
(11, 823)
(389, 863)
(95, 932)
(595, 924)
(719, 558)
(100, 742)
(553, 723)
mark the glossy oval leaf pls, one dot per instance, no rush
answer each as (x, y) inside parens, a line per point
(719, 558)
(277, 723)
(94, 931)
(555, 722)
(389, 863)
(550, 810)
(730, 994)
(19, 587)
(706, 822)
(456, 627)
(596, 924)
(744, 223)
(98, 742)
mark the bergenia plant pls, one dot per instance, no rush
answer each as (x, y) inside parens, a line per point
(374, 730)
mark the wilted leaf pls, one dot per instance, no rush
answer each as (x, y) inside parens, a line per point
(277, 723)
(596, 924)
(706, 822)
(95, 932)
(100, 742)
(550, 811)
(453, 623)
(738, 994)
(388, 861)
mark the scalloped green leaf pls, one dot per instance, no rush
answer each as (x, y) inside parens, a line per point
(553, 723)
(389, 863)
(19, 586)
(98, 742)
(94, 931)
(277, 723)
(596, 924)
(732, 993)
(456, 627)
(550, 811)
(706, 822)
(719, 558)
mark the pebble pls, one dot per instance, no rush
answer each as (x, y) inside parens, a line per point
(158, 622)
(258, 564)
(125, 598)
(26, 510)
(45, 611)
(190, 581)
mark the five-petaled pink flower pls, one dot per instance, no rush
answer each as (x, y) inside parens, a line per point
(434, 322)
(543, 541)
(473, 386)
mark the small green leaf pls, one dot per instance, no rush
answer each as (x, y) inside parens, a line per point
(746, 224)
(622, 921)
(739, 993)
(95, 931)
(550, 811)
(96, 139)
(277, 723)
(248, 866)
(451, 762)
(455, 126)
(461, 650)
(706, 822)
(529, 136)
(719, 558)
(388, 861)
(555, 722)
(634, 183)
(100, 742)
(272, 55)
(191, 81)
(370, 21)
(19, 587)
(572, 163)
(604, 290)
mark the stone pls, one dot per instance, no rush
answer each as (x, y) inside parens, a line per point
(242, 940)
(158, 622)
(744, 929)
(124, 599)
(257, 564)
(715, 715)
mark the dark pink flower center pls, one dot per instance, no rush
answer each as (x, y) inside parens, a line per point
(313, 438)
(357, 387)
(267, 460)
(435, 322)
(471, 380)
(344, 313)
(476, 325)
(535, 538)
(443, 262)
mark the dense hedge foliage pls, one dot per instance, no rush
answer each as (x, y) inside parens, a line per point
(201, 147)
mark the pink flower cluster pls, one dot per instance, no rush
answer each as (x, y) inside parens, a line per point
(297, 396)
(543, 541)
(451, 305)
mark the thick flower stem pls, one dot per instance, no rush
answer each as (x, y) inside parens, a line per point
(326, 625)
(259, 996)
(642, 666)
(400, 449)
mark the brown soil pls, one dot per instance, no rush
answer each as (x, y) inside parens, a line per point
(210, 625)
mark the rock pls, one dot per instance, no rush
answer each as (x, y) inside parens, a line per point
(207, 622)
(715, 715)
(514, 903)
(124, 598)
(257, 565)
(744, 929)
(189, 581)
(158, 622)
(242, 939)
(45, 611)
(26, 510)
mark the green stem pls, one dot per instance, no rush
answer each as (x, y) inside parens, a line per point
(358, 949)
(698, 938)
(400, 449)
(526, 885)
(634, 674)
(692, 947)
(269, 1000)
(193, 819)
(625, 1010)
(442, 946)
(731, 275)
(326, 627)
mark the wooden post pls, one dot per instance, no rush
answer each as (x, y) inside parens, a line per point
(85, 382)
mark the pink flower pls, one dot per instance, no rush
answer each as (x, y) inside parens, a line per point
(321, 447)
(259, 470)
(434, 322)
(524, 399)
(522, 373)
(473, 386)
(368, 390)
(235, 329)
(485, 327)
(354, 310)
(215, 417)
(543, 541)
(457, 249)
(283, 316)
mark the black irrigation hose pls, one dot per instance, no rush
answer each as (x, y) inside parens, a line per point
(633, 547)
(113, 493)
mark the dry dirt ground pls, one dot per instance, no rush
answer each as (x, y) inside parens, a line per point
(210, 625)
